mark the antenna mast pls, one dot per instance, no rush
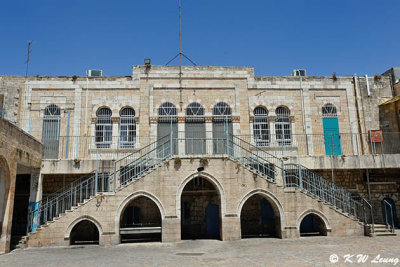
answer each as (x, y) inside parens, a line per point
(27, 59)
(180, 54)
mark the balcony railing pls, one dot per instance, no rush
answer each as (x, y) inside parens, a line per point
(206, 143)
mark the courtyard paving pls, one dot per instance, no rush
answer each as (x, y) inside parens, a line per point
(307, 251)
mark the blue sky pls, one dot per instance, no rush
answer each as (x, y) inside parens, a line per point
(322, 36)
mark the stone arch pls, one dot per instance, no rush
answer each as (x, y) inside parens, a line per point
(80, 219)
(209, 178)
(326, 225)
(272, 199)
(130, 198)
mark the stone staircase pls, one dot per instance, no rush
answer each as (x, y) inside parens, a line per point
(380, 230)
(145, 160)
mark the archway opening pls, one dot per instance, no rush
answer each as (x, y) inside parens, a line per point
(20, 211)
(259, 218)
(312, 225)
(200, 210)
(84, 233)
(140, 221)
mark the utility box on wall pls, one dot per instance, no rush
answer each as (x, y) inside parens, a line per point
(375, 136)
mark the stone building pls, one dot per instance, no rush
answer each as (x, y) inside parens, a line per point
(207, 152)
(20, 160)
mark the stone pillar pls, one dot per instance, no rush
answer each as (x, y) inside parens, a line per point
(76, 125)
(230, 228)
(209, 142)
(181, 136)
(34, 197)
(8, 210)
(171, 229)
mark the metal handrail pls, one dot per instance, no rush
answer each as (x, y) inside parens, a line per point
(80, 190)
(391, 226)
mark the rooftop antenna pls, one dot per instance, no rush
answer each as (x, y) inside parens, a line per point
(27, 58)
(180, 54)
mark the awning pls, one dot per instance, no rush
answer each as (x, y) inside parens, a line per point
(394, 99)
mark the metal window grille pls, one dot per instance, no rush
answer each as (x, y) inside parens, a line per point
(222, 123)
(51, 131)
(127, 128)
(261, 127)
(104, 128)
(222, 112)
(195, 113)
(329, 111)
(167, 113)
(195, 129)
(168, 124)
(282, 126)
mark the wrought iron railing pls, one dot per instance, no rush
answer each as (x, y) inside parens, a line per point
(318, 187)
(389, 220)
(88, 187)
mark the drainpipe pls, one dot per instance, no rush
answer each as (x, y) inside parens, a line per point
(368, 187)
(86, 104)
(303, 113)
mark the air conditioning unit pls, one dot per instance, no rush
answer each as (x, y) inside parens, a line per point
(299, 73)
(94, 73)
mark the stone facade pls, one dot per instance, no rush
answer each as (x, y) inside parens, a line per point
(164, 186)
(74, 149)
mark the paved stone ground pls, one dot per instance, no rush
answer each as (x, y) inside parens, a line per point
(310, 251)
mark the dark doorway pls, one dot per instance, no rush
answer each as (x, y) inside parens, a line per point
(200, 210)
(212, 221)
(258, 218)
(312, 225)
(387, 214)
(140, 221)
(20, 211)
(84, 233)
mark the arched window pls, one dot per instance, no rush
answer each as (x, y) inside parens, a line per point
(51, 131)
(127, 128)
(195, 129)
(167, 112)
(222, 123)
(261, 127)
(282, 126)
(329, 111)
(167, 124)
(104, 128)
(222, 111)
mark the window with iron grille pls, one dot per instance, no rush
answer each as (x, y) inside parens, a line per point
(222, 123)
(104, 128)
(127, 128)
(329, 111)
(167, 112)
(261, 127)
(195, 129)
(167, 124)
(282, 126)
(51, 131)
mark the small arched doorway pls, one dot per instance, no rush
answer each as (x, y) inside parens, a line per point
(200, 210)
(312, 225)
(259, 218)
(140, 221)
(84, 233)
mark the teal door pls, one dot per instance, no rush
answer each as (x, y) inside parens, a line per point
(331, 136)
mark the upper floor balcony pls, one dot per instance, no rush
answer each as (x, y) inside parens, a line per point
(108, 147)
